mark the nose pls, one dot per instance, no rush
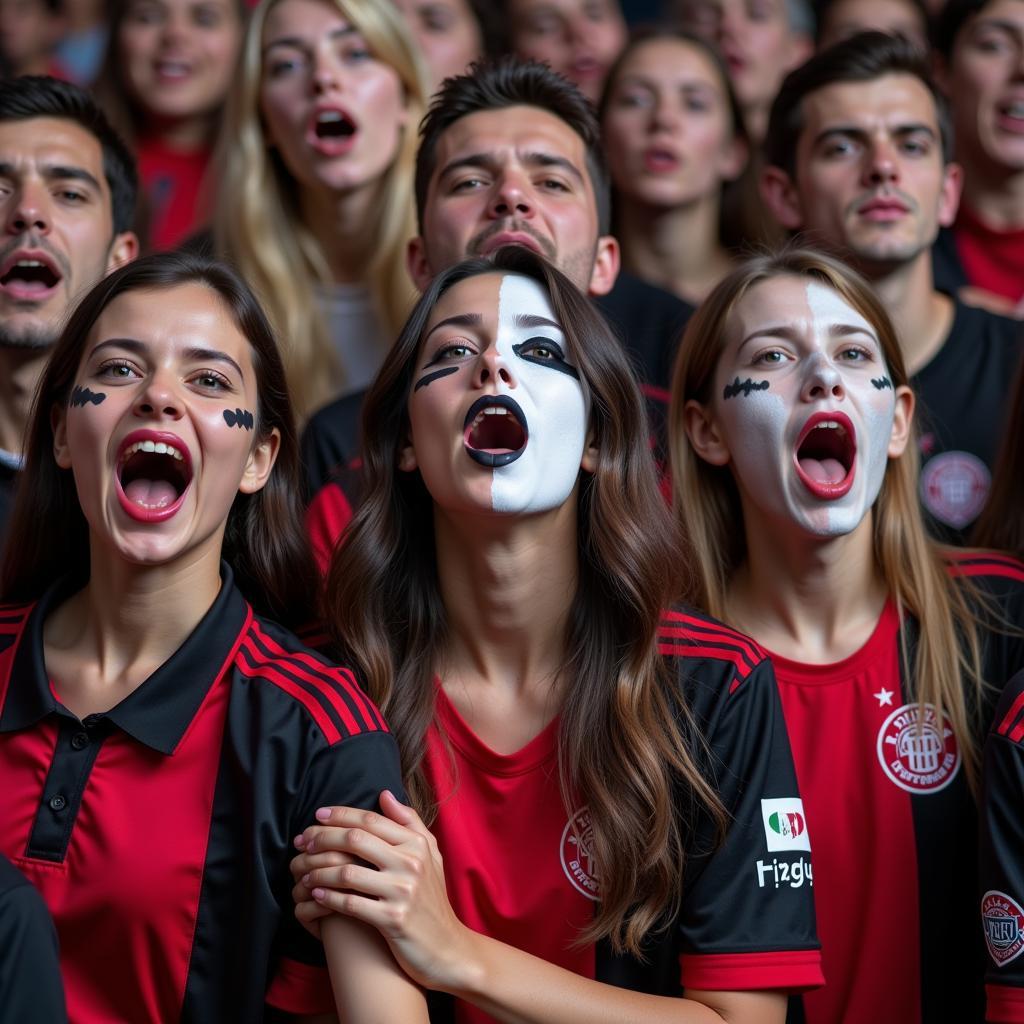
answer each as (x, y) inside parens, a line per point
(30, 210)
(491, 369)
(159, 399)
(512, 196)
(327, 73)
(881, 165)
(822, 380)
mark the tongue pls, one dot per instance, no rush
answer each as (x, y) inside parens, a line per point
(824, 471)
(151, 493)
(27, 285)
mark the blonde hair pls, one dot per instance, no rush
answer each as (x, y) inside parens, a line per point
(946, 669)
(257, 222)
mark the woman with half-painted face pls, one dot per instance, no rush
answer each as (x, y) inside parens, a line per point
(504, 591)
(161, 738)
(795, 484)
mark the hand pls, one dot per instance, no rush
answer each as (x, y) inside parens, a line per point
(307, 910)
(392, 879)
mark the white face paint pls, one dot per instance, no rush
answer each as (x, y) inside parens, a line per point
(808, 436)
(550, 397)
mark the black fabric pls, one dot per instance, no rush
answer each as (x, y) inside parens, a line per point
(30, 982)
(947, 271)
(330, 445)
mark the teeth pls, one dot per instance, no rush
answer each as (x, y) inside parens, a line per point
(29, 263)
(329, 116)
(491, 410)
(157, 447)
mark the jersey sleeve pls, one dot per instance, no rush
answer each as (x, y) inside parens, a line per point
(747, 919)
(352, 772)
(1001, 859)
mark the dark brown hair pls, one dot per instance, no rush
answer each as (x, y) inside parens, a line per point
(624, 737)
(264, 542)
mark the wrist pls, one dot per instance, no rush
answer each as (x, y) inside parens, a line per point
(466, 976)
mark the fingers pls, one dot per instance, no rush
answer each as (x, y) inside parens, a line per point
(367, 881)
(382, 916)
(306, 862)
(349, 818)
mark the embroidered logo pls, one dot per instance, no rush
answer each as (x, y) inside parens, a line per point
(785, 827)
(577, 858)
(954, 486)
(919, 755)
(1003, 921)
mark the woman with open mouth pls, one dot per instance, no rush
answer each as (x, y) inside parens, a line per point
(161, 739)
(504, 591)
(795, 482)
(316, 190)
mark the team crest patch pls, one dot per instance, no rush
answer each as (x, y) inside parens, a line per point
(785, 827)
(954, 486)
(920, 757)
(577, 858)
(1003, 921)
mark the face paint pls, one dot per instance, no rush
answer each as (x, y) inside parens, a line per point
(744, 388)
(241, 418)
(429, 378)
(813, 449)
(83, 396)
(881, 383)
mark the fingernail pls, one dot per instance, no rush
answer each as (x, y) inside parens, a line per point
(305, 879)
(299, 841)
(319, 894)
(323, 813)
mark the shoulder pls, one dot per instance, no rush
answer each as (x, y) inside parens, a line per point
(1008, 721)
(993, 571)
(981, 326)
(304, 685)
(331, 438)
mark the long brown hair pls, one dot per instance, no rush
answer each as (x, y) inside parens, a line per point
(622, 732)
(264, 541)
(946, 670)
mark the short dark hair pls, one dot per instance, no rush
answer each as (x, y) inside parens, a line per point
(861, 58)
(825, 8)
(948, 22)
(509, 82)
(41, 96)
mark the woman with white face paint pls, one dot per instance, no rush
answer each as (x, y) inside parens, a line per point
(503, 590)
(795, 482)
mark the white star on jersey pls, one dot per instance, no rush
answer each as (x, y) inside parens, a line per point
(883, 696)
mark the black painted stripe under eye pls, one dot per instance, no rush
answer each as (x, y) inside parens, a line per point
(552, 364)
(429, 378)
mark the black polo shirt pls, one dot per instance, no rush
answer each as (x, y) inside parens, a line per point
(160, 832)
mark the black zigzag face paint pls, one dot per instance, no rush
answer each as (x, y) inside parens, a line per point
(429, 378)
(239, 418)
(881, 383)
(83, 396)
(738, 387)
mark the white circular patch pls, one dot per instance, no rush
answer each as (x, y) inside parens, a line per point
(1003, 921)
(920, 758)
(954, 486)
(577, 858)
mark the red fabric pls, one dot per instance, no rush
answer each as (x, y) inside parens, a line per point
(993, 260)
(172, 181)
(862, 832)
(792, 970)
(1004, 1005)
(301, 989)
(327, 517)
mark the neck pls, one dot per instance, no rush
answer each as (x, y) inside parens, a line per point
(675, 247)
(755, 117)
(184, 134)
(20, 370)
(814, 601)
(922, 315)
(507, 586)
(995, 197)
(345, 229)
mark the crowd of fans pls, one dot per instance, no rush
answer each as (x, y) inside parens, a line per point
(512, 511)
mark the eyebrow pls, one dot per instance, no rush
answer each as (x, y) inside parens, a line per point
(299, 43)
(910, 128)
(789, 333)
(54, 172)
(1009, 27)
(458, 320)
(530, 320)
(533, 159)
(191, 354)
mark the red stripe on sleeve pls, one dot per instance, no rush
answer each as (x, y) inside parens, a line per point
(793, 970)
(333, 678)
(1011, 716)
(1009, 569)
(1004, 1005)
(301, 989)
(741, 664)
(717, 629)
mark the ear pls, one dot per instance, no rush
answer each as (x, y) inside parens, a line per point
(902, 422)
(416, 264)
(606, 266)
(702, 431)
(591, 453)
(59, 426)
(124, 249)
(780, 195)
(407, 457)
(949, 197)
(261, 462)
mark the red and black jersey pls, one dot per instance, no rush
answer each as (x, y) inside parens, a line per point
(518, 865)
(893, 819)
(160, 832)
(1001, 886)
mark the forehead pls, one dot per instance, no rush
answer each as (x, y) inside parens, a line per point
(875, 12)
(669, 60)
(889, 99)
(295, 17)
(493, 296)
(1000, 10)
(802, 303)
(51, 141)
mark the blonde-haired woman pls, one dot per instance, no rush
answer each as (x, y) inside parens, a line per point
(316, 200)
(796, 485)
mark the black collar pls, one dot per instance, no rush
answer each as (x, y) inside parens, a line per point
(156, 713)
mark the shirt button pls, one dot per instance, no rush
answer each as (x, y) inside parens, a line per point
(80, 740)
(58, 803)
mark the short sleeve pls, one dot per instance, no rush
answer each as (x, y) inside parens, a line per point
(353, 773)
(1001, 861)
(747, 917)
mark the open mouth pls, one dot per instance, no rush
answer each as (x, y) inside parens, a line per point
(29, 276)
(333, 125)
(826, 455)
(495, 432)
(154, 475)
